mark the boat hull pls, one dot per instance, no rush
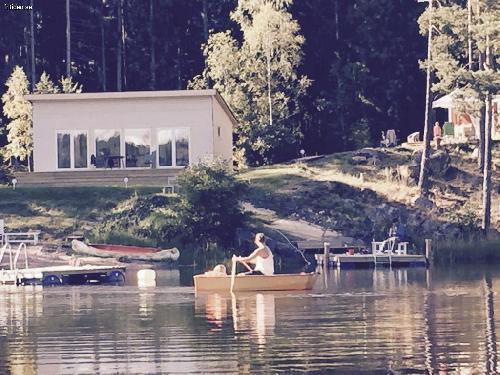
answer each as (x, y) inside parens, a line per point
(246, 283)
(127, 253)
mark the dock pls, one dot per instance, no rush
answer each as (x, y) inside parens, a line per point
(371, 260)
(63, 275)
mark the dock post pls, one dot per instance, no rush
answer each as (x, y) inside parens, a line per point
(326, 254)
(428, 250)
(326, 262)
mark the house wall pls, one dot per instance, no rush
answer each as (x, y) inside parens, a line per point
(49, 116)
(223, 143)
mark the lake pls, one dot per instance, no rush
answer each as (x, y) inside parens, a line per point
(408, 321)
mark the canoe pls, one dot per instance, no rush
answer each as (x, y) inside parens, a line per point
(147, 254)
(296, 281)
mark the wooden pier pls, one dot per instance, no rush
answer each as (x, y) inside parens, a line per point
(59, 275)
(371, 260)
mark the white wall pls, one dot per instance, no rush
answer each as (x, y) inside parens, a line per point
(49, 116)
(223, 144)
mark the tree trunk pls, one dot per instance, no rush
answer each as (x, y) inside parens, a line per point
(480, 159)
(482, 119)
(152, 62)
(32, 37)
(103, 48)
(124, 44)
(423, 186)
(487, 167)
(119, 47)
(68, 40)
(269, 99)
(204, 16)
(469, 34)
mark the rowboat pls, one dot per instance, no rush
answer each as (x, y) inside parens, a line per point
(132, 253)
(295, 281)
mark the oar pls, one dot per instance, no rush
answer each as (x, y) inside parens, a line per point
(233, 273)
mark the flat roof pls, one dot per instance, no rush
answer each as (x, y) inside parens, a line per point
(134, 95)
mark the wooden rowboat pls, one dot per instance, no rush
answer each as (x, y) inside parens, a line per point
(296, 281)
(148, 254)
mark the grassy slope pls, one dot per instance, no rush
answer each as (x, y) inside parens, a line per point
(327, 191)
(58, 212)
(331, 192)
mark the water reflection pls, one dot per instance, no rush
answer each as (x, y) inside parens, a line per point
(399, 320)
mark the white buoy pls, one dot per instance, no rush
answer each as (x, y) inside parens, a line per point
(125, 181)
(14, 183)
(146, 278)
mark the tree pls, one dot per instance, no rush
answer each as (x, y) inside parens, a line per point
(45, 85)
(68, 87)
(259, 78)
(209, 207)
(459, 37)
(17, 109)
(423, 185)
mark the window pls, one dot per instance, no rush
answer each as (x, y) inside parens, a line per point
(107, 146)
(173, 147)
(80, 149)
(181, 147)
(63, 150)
(137, 148)
(165, 138)
(72, 149)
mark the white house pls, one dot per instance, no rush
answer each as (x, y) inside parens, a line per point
(153, 130)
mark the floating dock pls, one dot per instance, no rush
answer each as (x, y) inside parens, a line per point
(59, 275)
(371, 260)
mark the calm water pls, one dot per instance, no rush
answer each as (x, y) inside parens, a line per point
(406, 321)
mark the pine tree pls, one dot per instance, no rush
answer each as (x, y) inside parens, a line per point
(458, 38)
(68, 87)
(45, 85)
(17, 109)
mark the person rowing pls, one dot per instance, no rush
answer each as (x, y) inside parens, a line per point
(261, 257)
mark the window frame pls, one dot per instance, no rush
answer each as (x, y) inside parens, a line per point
(72, 134)
(174, 147)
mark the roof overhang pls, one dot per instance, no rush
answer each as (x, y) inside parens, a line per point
(135, 95)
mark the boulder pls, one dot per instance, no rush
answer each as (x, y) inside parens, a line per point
(424, 203)
(439, 162)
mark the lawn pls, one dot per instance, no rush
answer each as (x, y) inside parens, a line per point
(58, 212)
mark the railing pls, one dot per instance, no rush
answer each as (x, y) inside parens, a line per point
(4, 249)
(13, 261)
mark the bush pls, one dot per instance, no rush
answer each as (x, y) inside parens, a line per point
(209, 206)
(204, 215)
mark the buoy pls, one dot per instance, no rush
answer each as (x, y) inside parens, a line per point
(146, 278)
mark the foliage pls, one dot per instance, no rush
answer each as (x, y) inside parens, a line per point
(18, 110)
(209, 206)
(450, 58)
(70, 87)
(475, 249)
(45, 85)
(205, 212)
(259, 78)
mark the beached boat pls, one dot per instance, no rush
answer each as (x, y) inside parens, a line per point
(298, 281)
(148, 254)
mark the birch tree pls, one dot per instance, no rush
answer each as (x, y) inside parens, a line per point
(259, 78)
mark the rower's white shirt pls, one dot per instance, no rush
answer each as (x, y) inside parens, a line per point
(265, 265)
